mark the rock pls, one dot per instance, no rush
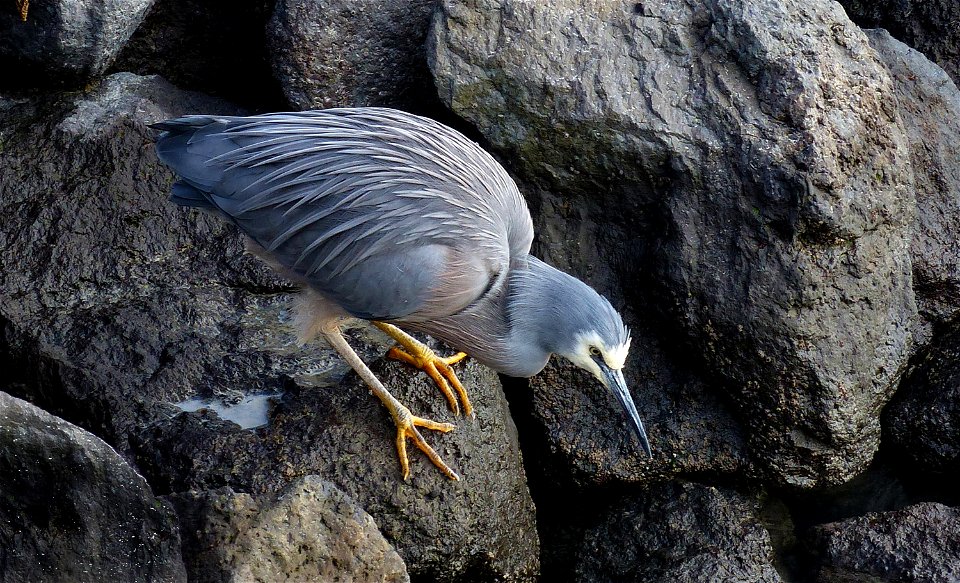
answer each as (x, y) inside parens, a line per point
(65, 41)
(922, 423)
(929, 105)
(762, 187)
(215, 47)
(309, 532)
(917, 543)
(337, 53)
(677, 533)
(72, 510)
(116, 305)
(929, 26)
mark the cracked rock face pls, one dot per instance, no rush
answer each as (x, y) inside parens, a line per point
(116, 305)
(760, 176)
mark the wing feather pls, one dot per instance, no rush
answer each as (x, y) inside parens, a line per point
(390, 215)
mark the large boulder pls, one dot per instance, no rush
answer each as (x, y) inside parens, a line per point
(679, 533)
(309, 532)
(744, 158)
(71, 509)
(65, 41)
(345, 53)
(116, 306)
(919, 543)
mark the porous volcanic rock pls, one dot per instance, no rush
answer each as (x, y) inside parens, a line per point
(748, 158)
(71, 509)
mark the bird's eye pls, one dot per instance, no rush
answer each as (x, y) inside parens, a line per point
(594, 351)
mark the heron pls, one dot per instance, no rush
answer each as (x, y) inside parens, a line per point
(397, 219)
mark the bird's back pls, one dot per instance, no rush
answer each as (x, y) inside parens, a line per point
(390, 215)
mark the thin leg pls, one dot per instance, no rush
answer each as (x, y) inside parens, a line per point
(406, 422)
(419, 355)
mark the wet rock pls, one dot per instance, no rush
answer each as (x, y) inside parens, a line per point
(929, 105)
(922, 424)
(917, 543)
(309, 532)
(72, 510)
(930, 26)
(679, 532)
(65, 41)
(336, 53)
(761, 183)
(216, 47)
(115, 305)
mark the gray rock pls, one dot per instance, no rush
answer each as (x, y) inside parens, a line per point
(65, 41)
(116, 305)
(760, 177)
(919, 543)
(337, 53)
(679, 533)
(309, 532)
(922, 423)
(72, 510)
(929, 26)
(929, 105)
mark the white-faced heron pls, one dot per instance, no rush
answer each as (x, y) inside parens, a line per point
(397, 219)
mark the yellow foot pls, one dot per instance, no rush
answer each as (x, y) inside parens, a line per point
(407, 425)
(439, 370)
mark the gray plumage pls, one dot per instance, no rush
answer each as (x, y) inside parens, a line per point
(396, 218)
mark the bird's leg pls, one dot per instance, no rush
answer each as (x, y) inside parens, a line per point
(406, 422)
(421, 356)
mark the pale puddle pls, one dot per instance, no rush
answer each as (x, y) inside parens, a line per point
(250, 412)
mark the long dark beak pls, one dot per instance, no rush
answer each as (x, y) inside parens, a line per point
(616, 383)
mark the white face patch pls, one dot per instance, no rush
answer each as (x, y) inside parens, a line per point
(614, 357)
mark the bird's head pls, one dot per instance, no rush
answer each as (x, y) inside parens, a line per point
(559, 314)
(601, 347)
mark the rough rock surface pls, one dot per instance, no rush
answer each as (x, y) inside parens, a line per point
(922, 423)
(72, 510)
(115, 305)
(65, 41)
(755, 148)
(679, 533)
(929, 26)
(929, 105)
(341, 53)
(309, 532)
(214, 46)
(919, 543)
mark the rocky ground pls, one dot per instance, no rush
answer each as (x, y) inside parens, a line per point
(769, 190)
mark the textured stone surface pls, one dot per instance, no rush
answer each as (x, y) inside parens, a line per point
(214, 46)
(922, 424)
(309, 532)
(65, 41)
(679, 533)
(929, 105)
(339, 53)
(116, 304)
(929, 26)
(72, 510)
(917, 543)
(759, 172)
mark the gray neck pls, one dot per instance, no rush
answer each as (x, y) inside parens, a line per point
(533, 312)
